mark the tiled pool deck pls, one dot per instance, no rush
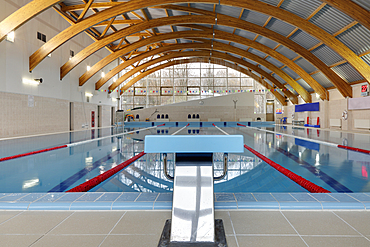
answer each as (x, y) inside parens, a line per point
(163, 201)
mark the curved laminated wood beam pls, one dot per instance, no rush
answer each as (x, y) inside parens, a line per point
(360, 65)
(138, 58)
(218, 35)
(24, 14)
(305, 95)
(111, 57)
(352, 9)
(343, 87)
(277, 95)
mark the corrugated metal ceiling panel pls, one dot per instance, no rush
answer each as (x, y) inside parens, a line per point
(156, 13)
(322, 79)
(240, 46)
(327, 55)
(222, 41)
(304, 64)
(356, 38)
(229, 10)
(280, 27)
(254, 17)
(286, 52)
(266, 69)
(363, 3)
(304, 39)
(179, 28)
(164, 29)
(245, 34)
(305, 85)
(274, 61)
(267, 42)
(302, 8)
(279, 79)
(250, 61)
(176, 12)
(257, 52)
(224, 28)
(347, 72)
(366, 58)
(290, 72)
(204, 6)
(331, 19)
(271, 2)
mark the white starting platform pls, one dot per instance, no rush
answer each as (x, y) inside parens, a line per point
(193, 222)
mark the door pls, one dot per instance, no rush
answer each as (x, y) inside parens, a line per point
(100, 118)
(270, 111)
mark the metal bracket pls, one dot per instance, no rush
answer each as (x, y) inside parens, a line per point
(165, 167)
(226, 157)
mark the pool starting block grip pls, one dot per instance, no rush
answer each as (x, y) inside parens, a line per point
(194, 144)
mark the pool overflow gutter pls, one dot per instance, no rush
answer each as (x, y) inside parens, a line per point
(193, 222)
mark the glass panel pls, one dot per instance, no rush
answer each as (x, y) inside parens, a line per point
(193, 65)
(206, 65)
(233, 73)
(193, 72)
(167, 91)
(180, 90)
(233, 82)
(180, 70)
(193, 98)
(154, 91)
(248, 81)
(259, 87)
(220, 72)
(220, 81)
(153, 82)
(207, 82)
(140, 91)
(167, 72)
(194, 82)
(207, 91)
(217, 91)
(179, 99)
(140, 100)
(180, 82)
(165, 100)
(193, 90)
(207, 72)
(154, 100)
(129, 91)
(167, 82)
(259, 103)
(140, 83)
(156, 74)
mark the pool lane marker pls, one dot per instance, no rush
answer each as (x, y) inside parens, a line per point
(181, 129)
(88, 185)
(311, 187)
(311, 140)
(72, 144)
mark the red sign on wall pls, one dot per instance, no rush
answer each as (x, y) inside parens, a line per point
(92, 119)
(364, 88)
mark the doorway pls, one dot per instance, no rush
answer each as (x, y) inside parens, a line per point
(270, 116)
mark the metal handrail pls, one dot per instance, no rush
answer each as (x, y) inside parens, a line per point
(165, 167)
(226, 157)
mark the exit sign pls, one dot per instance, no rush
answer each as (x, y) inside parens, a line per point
(364, 90)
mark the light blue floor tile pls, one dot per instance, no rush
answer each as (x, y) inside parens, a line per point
(224, 197)
(91, 206)
(109, 197)
(70, 197)
(31, 197)
(14, 206)
(89, 197)
(300, 206)
(167, 197)
(303, 197)
(283, 197)
(264, 197)
(244, 197)
(50, 206)
(162, 205)
(343, 205)
(128, 196)
(342, 197)
(323, 197)
(226, 205)
(50, 197)
(132, 206)
(4, 194)
(147, 197)
(258, 205)
(13, 197)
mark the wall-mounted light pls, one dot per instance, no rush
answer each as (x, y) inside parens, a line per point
(88, 94)
(10, 36)
(88, 67)
(102, 74)
(114, 79)
(114, 99)
(32, 82)
(317, 96)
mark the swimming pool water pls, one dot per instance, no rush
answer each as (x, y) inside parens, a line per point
(336, 170)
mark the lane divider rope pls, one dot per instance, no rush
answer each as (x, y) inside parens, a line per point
(311, 187)
(220, 129)
(311, 140)
(88, 185)
(180, 129)
(72, 144)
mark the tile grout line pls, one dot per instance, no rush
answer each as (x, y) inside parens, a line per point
(12, 217)
(293, 227)
(112, 229)
(43, 235)
(232, 226)
(350, 226)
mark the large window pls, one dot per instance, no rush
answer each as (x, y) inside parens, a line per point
(185, 82)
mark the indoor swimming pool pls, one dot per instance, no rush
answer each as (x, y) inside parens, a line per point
(334, 169)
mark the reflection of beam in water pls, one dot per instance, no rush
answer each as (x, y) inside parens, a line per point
(143, 183)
